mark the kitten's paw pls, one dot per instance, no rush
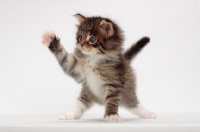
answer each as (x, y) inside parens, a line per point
(149, 115)
(69, 116)
(112, 118)
(47, 37)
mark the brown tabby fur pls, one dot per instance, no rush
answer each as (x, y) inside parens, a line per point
(105, 59)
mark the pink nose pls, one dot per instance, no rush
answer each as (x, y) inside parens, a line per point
(82, 44)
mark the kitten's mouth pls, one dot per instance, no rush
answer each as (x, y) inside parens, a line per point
(82, 48)
(79, 46)
(85, 49)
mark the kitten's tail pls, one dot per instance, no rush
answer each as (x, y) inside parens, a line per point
(131, 52)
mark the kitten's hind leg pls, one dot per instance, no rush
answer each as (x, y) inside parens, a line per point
(142, 112)
(83, 103)
(76, 112)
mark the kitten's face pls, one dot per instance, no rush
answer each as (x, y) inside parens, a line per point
(94, 35)
(89, 39)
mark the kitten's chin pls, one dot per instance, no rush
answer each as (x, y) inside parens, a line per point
(85, 51)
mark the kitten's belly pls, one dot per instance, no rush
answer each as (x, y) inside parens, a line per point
(95, 83)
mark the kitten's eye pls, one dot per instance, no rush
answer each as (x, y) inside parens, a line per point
(92, 40)
(80, 38)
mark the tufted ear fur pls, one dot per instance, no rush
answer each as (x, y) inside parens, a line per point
(80, 17)
(107, 28)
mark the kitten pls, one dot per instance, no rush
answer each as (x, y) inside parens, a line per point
(99, 64)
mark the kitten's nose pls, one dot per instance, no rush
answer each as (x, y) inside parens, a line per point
(82, 44)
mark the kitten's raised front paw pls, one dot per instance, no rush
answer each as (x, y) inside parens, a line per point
(47, 37)
(112, 118)
(149, 115)
(69, 116)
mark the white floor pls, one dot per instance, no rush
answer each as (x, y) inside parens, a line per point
(171, 122)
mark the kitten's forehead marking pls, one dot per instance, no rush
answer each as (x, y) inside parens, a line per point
(88, 37)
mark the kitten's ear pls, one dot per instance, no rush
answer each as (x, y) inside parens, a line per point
(107, 28)
(80, 17)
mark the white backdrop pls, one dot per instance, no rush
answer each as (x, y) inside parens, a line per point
(168, 69)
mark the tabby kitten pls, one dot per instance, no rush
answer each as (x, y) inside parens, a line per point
(101, 66)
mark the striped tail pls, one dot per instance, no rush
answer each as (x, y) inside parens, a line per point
(131, 52)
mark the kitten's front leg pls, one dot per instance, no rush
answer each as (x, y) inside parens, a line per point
(50, 40)
(112, 103)
(67, 61)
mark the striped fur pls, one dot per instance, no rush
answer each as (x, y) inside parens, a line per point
(130, 53)
(101, 68)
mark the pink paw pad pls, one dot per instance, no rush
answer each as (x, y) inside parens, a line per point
(69, 116)
(47, 37)
(149, 116)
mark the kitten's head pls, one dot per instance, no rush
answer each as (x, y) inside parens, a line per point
(98, 36)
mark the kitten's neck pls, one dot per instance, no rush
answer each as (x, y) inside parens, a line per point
(96, 59)
(99, 59)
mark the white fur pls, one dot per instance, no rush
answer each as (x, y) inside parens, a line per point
(61, 55)
(95, 84)
(142, 112)
(68, 116)
(77, 111)
(95, 59)
(112, 118)
(88, 37)
(79, 68)
(94, 81)
(79, 108)
(70, 59)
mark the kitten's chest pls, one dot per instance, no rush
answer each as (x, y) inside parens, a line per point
(95, 82)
